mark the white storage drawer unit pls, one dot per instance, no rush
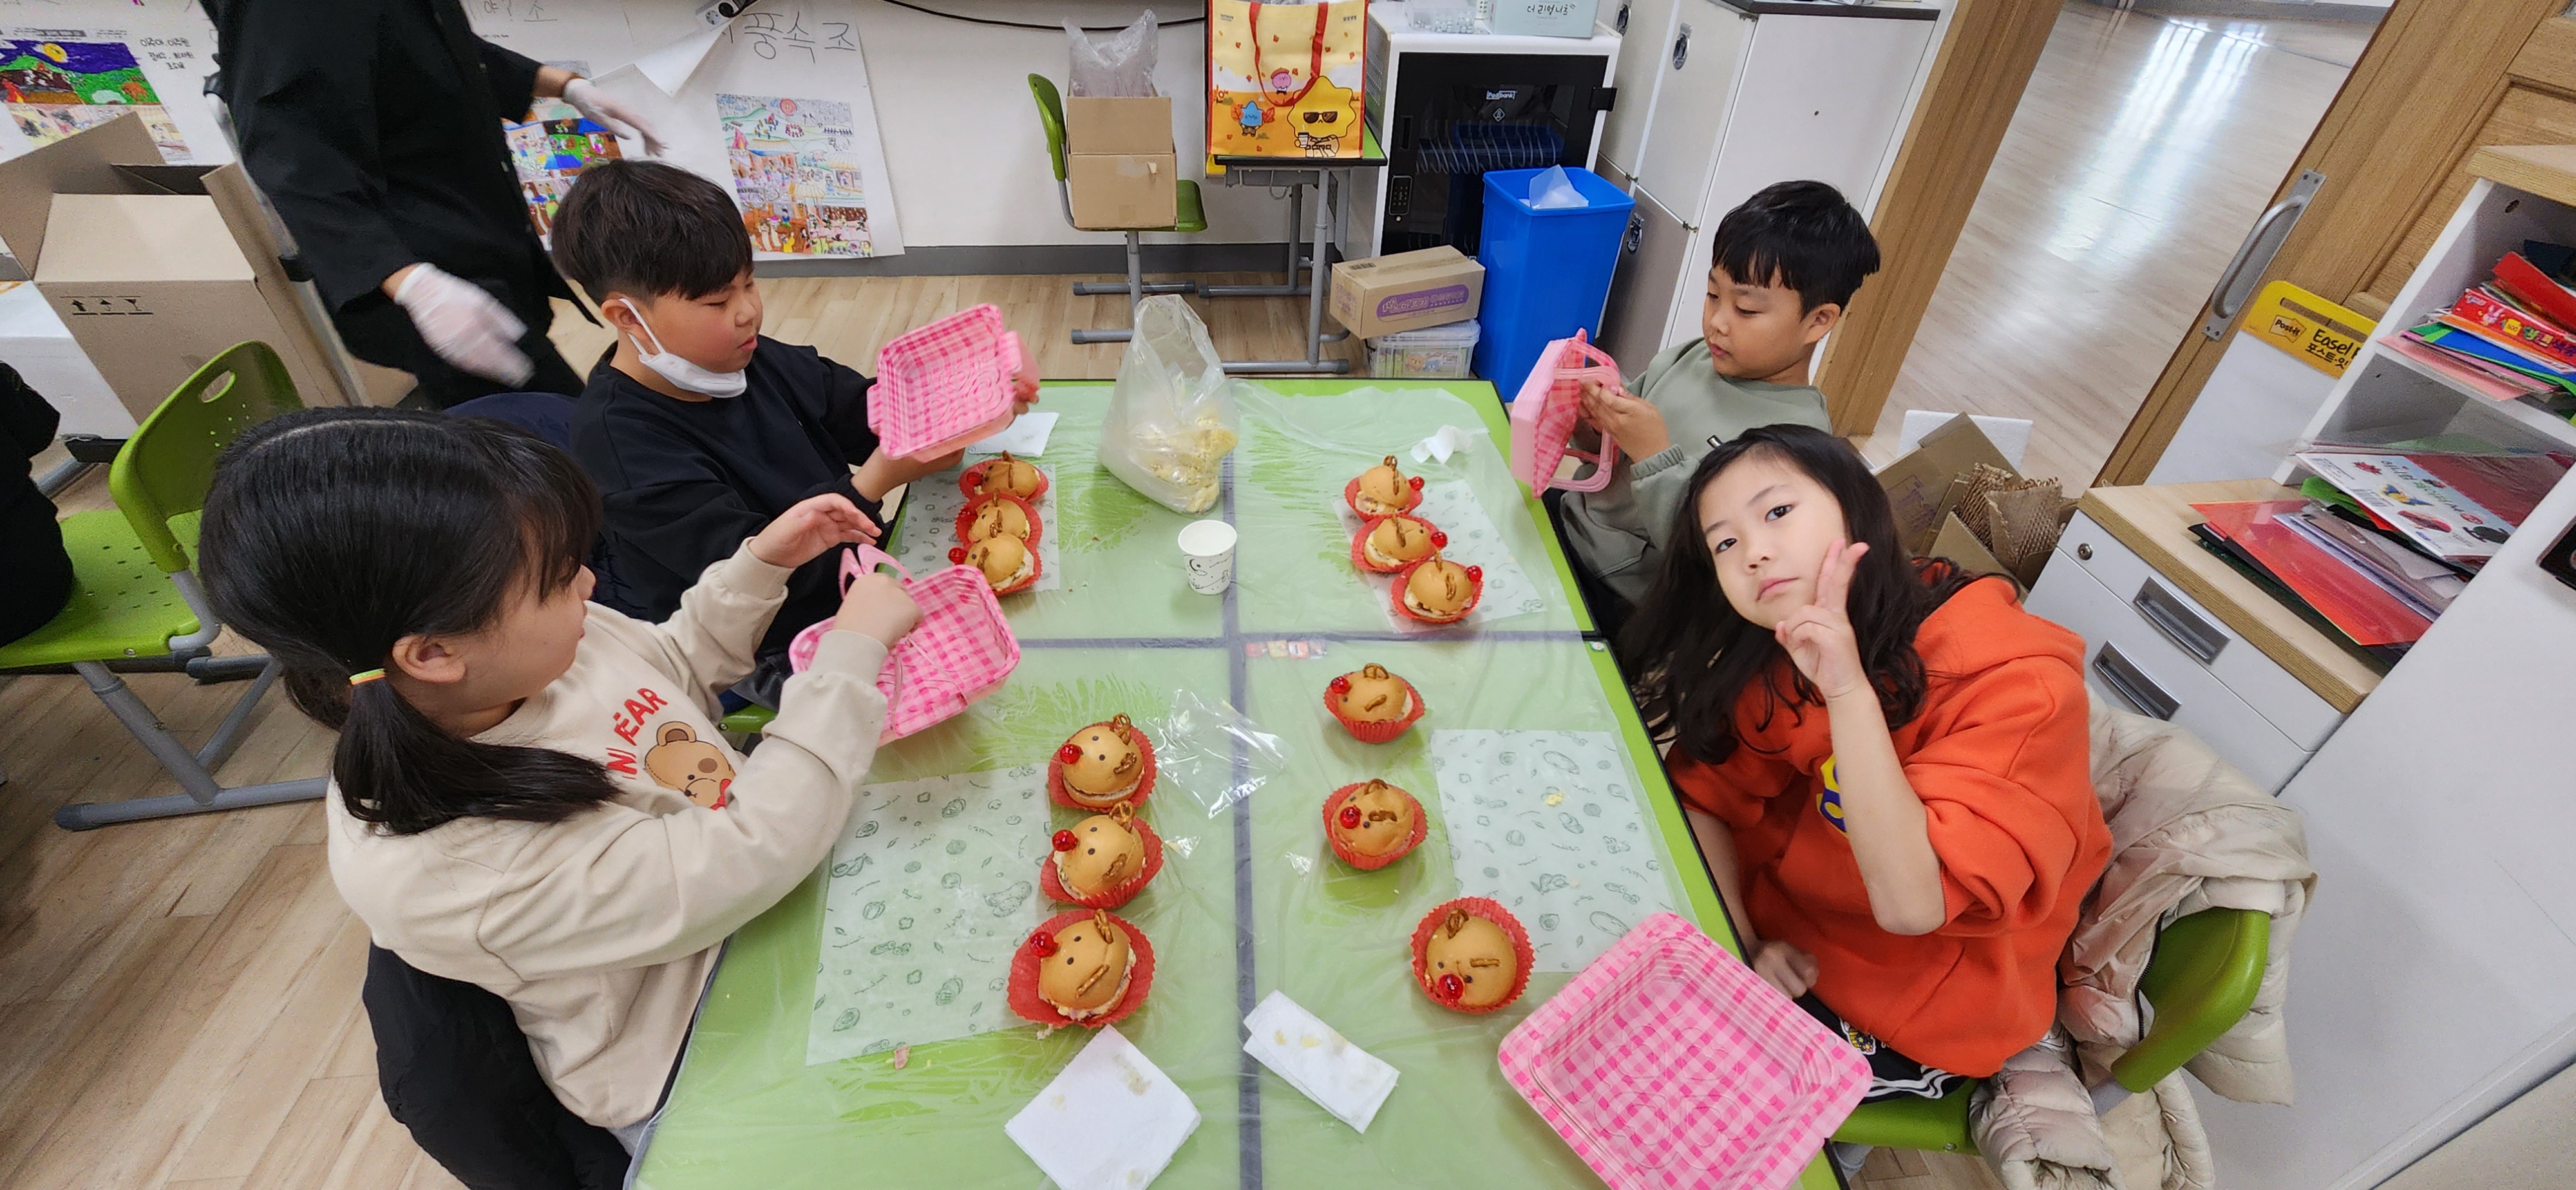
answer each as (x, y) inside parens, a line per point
(2151, 648)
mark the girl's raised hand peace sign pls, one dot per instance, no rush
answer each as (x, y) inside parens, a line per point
(1818, 637)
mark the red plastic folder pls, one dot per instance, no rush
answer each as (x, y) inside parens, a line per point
(2343, 595)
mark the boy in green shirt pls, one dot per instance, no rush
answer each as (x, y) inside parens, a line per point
(1785, 264)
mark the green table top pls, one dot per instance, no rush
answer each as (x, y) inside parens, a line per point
(1249, 900)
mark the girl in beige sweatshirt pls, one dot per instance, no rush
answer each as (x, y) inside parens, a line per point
(529, 791)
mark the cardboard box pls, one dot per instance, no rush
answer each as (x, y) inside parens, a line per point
(1122, 191)
(155, 268)
(1407, 291)
(1957, 543)
(1120, 162)
(36, 343)
(1924, 483)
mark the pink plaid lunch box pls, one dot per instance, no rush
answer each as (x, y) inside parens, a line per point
(944, 385)
(1546, 410)
(960, 652)
(1669, 1064)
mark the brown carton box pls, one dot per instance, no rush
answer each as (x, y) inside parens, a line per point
(1406, 291)
(1120, 162)
(1924, 483)
(1118, 125)
(157, 268)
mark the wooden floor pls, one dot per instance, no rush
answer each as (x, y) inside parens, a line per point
(2140, 156)
(182, 997)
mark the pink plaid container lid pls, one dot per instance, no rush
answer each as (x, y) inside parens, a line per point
(1669, 1064)
(960, 651)
(944, 385)
(1545, 411)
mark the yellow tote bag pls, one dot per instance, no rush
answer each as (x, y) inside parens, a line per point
(1285, 80)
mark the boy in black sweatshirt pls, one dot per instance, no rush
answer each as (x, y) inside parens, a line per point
(698, 429)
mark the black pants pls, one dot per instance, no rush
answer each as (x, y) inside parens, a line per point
(455, 1070)
(40, 572)
(1610, 610)
(378, 332)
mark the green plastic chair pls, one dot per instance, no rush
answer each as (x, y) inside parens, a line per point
(136, 602)
(2201, 981)
(1190, 216)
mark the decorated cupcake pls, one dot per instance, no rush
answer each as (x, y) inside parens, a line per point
(1373, 705)
(1471, 955)
(1103, 861)
(1086, 967)
(1373, 824)
(1102, 765)
(1007, 562)
(998, 516)
(1004, 476)
(1436, 590)
(1382, 490)
(1390, 544)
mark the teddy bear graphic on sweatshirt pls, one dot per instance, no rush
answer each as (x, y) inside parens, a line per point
(698, 769)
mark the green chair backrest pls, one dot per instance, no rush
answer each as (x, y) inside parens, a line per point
(1051, 117)
(165, 468)
(2203, 977)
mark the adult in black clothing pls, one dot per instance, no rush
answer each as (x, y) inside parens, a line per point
(31, 541)
(375, 128)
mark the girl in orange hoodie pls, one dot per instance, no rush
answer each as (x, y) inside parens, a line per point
(1887, 755)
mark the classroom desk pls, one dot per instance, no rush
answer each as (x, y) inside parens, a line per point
(1249, 899)
(1322, 173)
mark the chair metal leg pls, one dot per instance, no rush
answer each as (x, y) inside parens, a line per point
(195, 775)
(227, 669)
(1136, 290)
(1105, 288)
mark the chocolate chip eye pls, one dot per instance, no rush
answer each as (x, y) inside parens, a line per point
(1091, 851)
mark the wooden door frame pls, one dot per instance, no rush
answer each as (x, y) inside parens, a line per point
(2394, 147)
(1985, 61)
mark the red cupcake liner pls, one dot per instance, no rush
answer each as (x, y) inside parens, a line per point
(1061, 795)
(1052, 884)
(1366, 863)
(966, 516)
(1490, 910)
(1037, 566)
(1351, 496)
(1359, 544)
(1376, 731)
(1024, 998)
(1405, 577)
(973, 478)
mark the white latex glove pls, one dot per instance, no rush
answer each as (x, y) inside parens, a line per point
(466, 326)
(604, 110)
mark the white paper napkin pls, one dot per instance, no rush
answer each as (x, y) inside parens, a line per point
(1025, 436)
(1341, 1078)
(1110, 1121)
(1447, 441)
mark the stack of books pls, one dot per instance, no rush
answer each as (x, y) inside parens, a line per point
(2508, 338)
(2382, 538)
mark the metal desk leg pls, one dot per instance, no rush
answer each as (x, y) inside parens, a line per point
(1314, 361)
(1297, 259)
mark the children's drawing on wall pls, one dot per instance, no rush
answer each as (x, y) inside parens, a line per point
(54, 89)
(551, 149)
(796, 173)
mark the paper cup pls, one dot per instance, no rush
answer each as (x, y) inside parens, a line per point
(1207, 549)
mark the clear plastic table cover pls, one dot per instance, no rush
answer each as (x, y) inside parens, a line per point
(1250, 900)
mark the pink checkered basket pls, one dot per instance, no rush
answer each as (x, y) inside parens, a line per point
(1669, 1064)
(944, 385)
(1545, 412)
(960, 652)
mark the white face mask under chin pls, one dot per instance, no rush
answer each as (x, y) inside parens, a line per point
(681, 372)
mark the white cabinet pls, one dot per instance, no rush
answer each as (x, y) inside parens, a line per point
(1745, 94)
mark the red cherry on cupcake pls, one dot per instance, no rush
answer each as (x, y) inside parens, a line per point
(1044, 943)
(1415, 483)
(1069, 754)
(1064, 841)
(1439, 540)
(1450, 986)
(1341, 685)
(957, 554)
(1350, 817)
(1475, 574)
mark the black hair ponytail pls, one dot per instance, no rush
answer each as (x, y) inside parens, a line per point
(330, 534)
(1694, 657)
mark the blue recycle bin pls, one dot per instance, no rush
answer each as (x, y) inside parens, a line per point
(1547, 272)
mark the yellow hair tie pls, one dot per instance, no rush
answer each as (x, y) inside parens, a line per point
(365, 676)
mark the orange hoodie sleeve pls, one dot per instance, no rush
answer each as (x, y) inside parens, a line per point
(2006, 795)
(1736, 791)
